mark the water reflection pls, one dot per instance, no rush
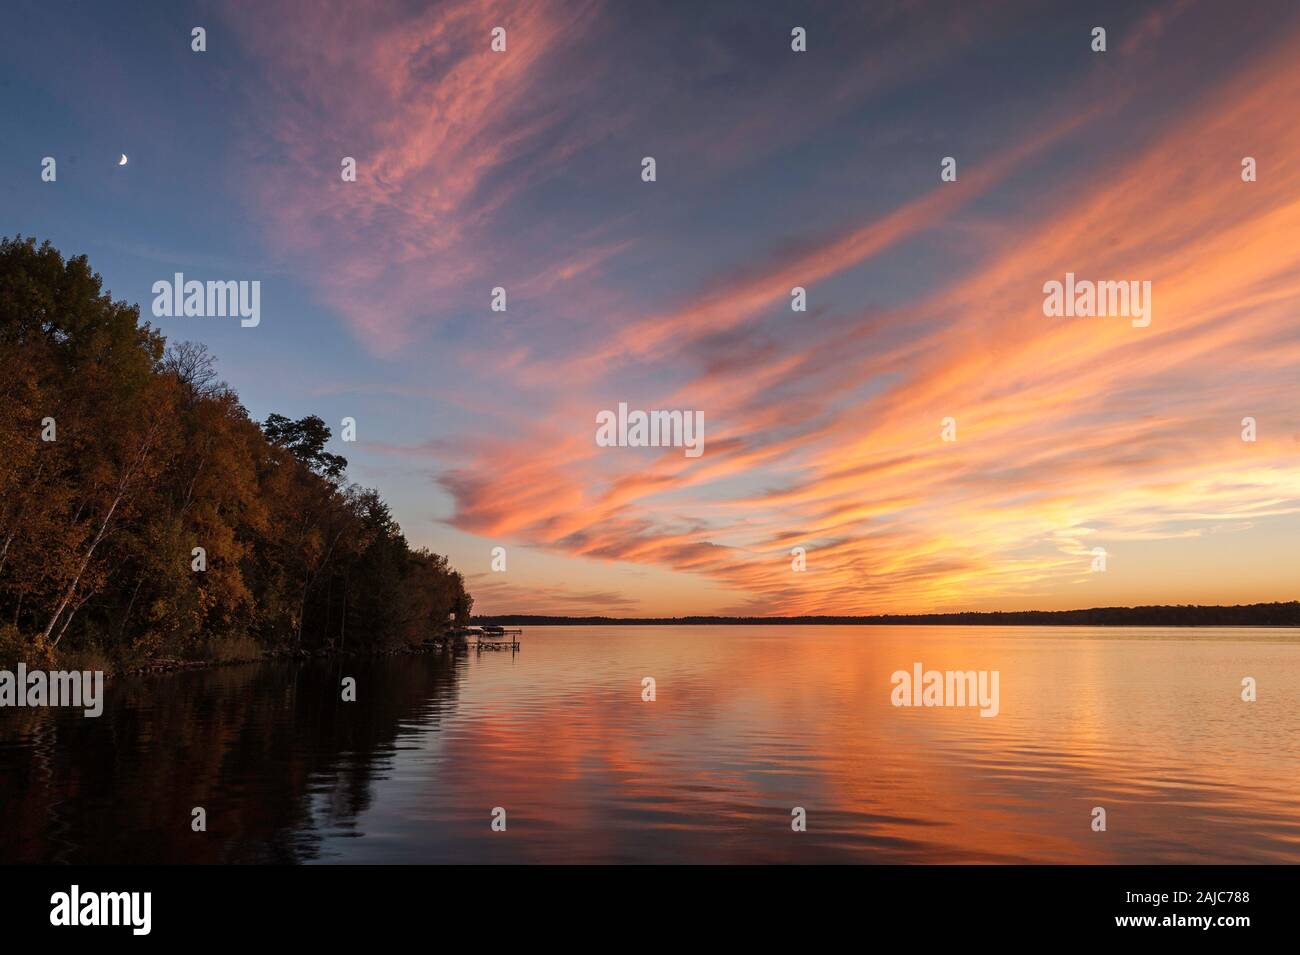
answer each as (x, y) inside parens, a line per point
(748, 723)
(269, 751)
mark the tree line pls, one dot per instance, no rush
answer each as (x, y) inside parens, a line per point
(144, 515)
(1180, 615)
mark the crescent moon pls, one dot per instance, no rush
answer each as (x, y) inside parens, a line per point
(122, 161)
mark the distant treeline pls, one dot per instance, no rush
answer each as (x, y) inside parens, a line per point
(1245, 615)
(145, 515)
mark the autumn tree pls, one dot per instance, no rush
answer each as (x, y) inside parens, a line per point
(144, 514)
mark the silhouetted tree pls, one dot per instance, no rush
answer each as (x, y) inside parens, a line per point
(306, 439)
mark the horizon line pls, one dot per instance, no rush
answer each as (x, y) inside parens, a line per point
(1268, 614)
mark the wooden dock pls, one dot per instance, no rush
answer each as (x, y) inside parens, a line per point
(488, 638)
(488, 644)
(498, 638)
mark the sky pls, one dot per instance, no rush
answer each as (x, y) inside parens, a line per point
(927, 435)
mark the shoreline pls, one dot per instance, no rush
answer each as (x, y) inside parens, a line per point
(802, 623)
(433, 645)
(1271, 616)
(1279, 614)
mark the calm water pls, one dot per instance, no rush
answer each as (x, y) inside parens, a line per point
(748, 723)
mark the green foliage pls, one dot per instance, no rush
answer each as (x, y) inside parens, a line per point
(155, 457)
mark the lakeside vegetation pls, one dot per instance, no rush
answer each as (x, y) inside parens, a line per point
(121, 454)
(1189, 615)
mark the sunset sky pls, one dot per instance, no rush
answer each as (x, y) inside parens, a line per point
(774, 169)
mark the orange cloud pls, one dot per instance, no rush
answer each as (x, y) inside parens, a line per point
(1073, 433)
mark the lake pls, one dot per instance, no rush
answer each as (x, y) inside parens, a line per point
(748, 725)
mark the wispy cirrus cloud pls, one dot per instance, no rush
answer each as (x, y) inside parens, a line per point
(454, 142)
(445, 132)
(1073, 433)
(822, 428)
